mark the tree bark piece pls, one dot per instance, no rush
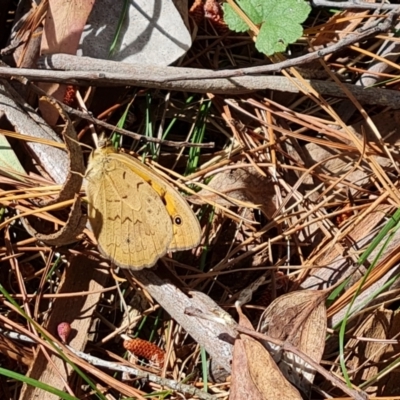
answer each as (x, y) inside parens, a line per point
(216, 338)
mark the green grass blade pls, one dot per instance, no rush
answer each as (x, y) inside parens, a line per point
(392, 226)
(204, 368)
(119, 27)
(35, 383)
(198, 136)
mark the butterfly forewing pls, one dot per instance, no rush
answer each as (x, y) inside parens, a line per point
(128, 217)
(186, 227)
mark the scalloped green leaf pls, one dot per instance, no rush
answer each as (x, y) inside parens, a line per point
(253, 9)
(233, 20)
(280, 21)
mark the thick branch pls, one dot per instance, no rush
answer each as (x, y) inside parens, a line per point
(102, 73)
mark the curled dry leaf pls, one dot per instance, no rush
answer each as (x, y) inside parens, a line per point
(300, 319)
(75, 224)
(76, 220)
(255, 374)
(237, 186)
(74, 180)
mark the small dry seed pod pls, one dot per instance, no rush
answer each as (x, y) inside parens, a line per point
(63, 330)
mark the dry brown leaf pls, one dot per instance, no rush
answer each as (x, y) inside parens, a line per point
(241, 184)
(255, 374)
(300, 319)
(76, 220)
(68, 233)
(242, 385)
(73, 183)
(63, 27)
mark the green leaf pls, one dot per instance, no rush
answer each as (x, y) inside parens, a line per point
(280, 21)
(253, 9)
(233, 20)
(274, 38)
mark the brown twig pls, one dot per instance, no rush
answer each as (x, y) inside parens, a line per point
(362, 34)
(154, 77)
(112, 366)
(353, 4)
(136, 136)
